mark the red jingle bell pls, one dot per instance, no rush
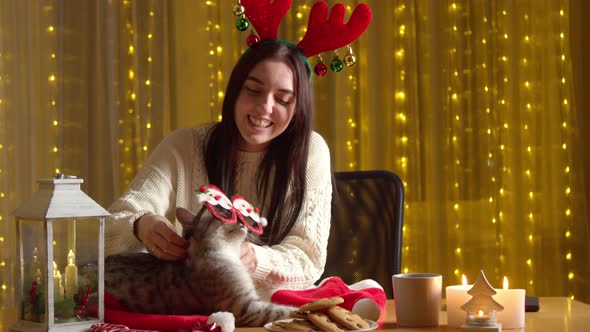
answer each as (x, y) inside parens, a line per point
(320, 69)
(252, 39)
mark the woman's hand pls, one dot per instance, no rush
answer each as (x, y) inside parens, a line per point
(160, 238)
(248, 256)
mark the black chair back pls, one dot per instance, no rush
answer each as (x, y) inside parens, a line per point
(366, 231)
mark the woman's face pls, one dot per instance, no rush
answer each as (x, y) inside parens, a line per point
(265, 105)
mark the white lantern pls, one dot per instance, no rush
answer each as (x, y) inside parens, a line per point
(60, 234)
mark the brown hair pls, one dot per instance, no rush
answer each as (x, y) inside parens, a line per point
(287, 154)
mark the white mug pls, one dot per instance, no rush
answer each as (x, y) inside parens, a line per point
(417, 299)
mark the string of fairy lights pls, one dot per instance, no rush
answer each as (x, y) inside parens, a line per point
(4, 228)
(402, 17)
(529, 144)
(51, 36)
(454, 114)
(145, 116)
(566, 117)
(215, 63)
(128, 106)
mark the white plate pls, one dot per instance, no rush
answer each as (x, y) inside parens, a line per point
(268, 326)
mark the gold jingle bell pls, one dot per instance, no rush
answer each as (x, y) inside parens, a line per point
(349, 60)
(238, 9)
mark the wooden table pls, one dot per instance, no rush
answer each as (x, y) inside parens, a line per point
(557, 314)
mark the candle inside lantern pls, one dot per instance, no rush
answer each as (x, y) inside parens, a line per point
(61, 290)
(71, 275)
(57, 283)
(35, 264)
(456, 296)
(512, 317)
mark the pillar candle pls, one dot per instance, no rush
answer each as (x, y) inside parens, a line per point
(61, 290)
(512, 317)
(56, 283)
(35, 264)
(71, 276)
(456, 296)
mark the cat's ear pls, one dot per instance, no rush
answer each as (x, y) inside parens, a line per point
(185, 217)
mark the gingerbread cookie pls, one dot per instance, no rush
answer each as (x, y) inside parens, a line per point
(323, 321)
(322, 304)
(349, 320)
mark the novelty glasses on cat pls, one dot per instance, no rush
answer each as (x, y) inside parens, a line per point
(232, 210)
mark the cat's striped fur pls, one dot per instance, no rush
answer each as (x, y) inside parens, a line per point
(211, 279)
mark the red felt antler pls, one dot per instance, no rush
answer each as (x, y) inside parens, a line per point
(326, 34)
(266, 15)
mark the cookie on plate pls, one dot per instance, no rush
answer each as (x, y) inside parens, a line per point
(321, 304)
(346, 318)
(323, 321)
(300, 325)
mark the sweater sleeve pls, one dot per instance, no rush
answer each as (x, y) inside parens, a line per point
(299, 260)
(153, 190)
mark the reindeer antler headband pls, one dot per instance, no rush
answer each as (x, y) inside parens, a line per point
(323, 33)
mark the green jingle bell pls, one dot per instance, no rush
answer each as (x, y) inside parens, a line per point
(336, 64)
(242, 24)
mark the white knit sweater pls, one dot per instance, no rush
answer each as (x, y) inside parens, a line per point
(176, 168)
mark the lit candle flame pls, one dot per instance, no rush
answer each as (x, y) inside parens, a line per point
(480, 313)
(463, 280)
(505, 283)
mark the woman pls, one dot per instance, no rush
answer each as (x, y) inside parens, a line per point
(264, 150)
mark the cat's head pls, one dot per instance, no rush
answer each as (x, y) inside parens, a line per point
(206, 227)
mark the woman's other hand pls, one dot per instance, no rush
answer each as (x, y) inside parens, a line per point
(248, 256)
(160, 238)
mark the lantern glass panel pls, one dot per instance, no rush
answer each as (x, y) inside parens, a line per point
(75, 275)
(33, 258)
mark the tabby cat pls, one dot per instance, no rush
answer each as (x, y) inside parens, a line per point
(211, 279)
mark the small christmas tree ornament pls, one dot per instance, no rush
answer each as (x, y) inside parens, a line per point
(481, 308)
(242, 23)
(349, 58)
(336, 65)
(320, 68)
